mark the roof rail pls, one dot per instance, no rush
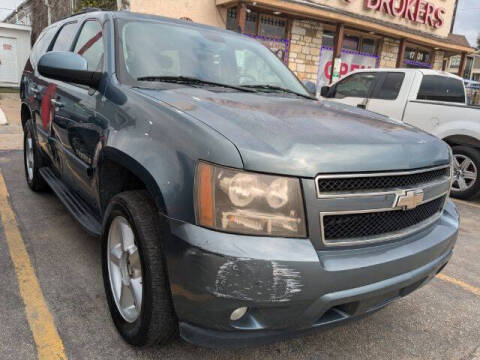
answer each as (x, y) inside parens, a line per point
(83, 11)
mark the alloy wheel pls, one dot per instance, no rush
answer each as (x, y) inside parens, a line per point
(29, 157)
(464, 173)
(125, 269)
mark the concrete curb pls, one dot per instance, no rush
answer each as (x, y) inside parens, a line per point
(3, 118)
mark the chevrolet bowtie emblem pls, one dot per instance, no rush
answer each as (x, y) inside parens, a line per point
(409, 199)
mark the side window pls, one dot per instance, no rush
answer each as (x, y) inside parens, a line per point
(390, 87)
(41, 45)
(356, 85)
(441, 88)
(63, 41)
(90, 45)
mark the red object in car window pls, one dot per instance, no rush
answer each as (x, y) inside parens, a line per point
(46, 109)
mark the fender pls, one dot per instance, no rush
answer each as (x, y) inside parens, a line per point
(154, 141)
(465, 128)
(138, 170)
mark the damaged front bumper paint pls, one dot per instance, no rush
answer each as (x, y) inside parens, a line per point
(288, 285)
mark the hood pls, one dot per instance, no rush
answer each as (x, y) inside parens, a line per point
(300, 137)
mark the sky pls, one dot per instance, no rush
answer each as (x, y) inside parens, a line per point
(468, 20)
(467, 23)
(6, 7)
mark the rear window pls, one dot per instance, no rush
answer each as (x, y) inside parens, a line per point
(441, 88)
(63, 42)
(390, 87)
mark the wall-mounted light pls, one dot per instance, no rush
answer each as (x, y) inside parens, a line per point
(277, 12)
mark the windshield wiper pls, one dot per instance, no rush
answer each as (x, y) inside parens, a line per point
(190, 80)
(277, 88)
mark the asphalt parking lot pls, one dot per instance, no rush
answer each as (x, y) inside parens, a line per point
(439, 321)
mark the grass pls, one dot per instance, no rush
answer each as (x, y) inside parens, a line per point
(8, 90)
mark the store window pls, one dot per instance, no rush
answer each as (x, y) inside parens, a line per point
(251, 23)
(351, 43)
(417, 58)
(328, 38)
(268, 29)
(232, 19)
(259, 24)
(272, 27)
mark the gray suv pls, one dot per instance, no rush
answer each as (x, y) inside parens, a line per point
(232, 206)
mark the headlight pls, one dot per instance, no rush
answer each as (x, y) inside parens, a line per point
(243, 202)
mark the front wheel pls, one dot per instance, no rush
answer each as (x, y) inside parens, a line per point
(134, 270)
(466, 179)
(32, 160)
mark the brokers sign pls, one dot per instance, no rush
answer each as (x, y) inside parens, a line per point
(350, 61)
(417, 11)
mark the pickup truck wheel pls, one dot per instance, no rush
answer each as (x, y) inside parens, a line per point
(134, 270)
(32, 160)
(466, 166)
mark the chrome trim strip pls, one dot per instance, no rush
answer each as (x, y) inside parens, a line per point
(383, 237)
(346, 194)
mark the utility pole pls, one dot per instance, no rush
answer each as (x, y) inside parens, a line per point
(454, 16)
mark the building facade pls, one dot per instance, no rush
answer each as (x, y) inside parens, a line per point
(322, 40)
(472, 66)
(22, 15)
(14, 52)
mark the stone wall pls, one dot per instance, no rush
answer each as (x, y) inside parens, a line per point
(437, 63)
(304, 50)
(389, 53)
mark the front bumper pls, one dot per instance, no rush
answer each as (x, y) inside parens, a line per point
(289, 286)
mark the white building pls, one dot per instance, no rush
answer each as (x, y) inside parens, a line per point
(14, 52)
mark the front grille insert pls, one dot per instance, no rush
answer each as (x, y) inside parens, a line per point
(362, 226)
(374, 182)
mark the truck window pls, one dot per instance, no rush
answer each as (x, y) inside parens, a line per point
(90, 45)
(356, 85)
(441, 88)
(390, 87)
(64, 38)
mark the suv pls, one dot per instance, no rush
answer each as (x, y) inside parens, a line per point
(232, 206)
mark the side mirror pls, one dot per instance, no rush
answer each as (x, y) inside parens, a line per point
(69, 67)
(310, 86)
(324, 91)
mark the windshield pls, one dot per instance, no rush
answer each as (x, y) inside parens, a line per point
(155, 49)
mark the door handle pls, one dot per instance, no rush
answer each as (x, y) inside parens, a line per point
(34, 89)
(56, 103)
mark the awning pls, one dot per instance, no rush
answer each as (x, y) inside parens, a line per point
(453, 43)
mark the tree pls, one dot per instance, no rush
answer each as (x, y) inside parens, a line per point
(478, 41)
(101, 4)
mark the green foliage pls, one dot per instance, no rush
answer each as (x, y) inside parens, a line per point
(101, 4)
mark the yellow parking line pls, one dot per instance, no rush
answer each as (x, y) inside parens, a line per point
(463, 285)
(48, 342)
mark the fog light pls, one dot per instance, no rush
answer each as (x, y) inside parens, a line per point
(238, 313)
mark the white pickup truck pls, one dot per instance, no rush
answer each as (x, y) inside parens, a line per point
(431, 100)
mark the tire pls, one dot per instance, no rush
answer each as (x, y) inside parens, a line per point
(155, 321)
(32, 160)
(466, 164)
